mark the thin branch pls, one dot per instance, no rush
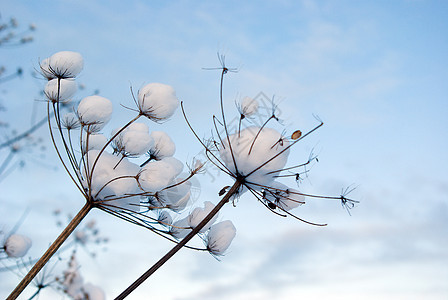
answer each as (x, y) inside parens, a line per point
(25, 133)
(182, 243)
(51, 251)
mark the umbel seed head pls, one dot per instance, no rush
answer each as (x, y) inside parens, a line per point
(62, 65)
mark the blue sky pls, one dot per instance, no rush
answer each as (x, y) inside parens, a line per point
(374, 71)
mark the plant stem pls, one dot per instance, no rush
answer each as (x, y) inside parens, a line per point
(51, 251)
(24, 134)
(182, 243)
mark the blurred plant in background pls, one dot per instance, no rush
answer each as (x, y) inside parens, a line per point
(12, 142)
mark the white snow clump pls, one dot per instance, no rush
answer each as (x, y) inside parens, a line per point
(66, 90)
(250, 155)
(157, 101)
(165, 218)
(112, 178)
(199, 214)
(135, 139)
(93, 141)
(163, 145)
(177, 196)
(64, 64)
(220, 237)
(70, 121)
(94, 112)
(17, 245)
(158, 174)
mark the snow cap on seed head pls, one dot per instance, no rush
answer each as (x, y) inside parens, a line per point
(94, 112)
(113, 178)
(254, 148)
(134, 140)
(165, 218)
(65, 90)
(157, 101)
(180, 228)
(158, 174)
(64, 64)
(17, 245)
(220, 237)
(93, 141)
(163, 145)
(177, 196)
(199, 214)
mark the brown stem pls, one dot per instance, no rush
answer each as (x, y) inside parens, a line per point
(182, 243)
(51, 251)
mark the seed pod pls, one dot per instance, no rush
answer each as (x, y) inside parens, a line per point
(296, 134)
(223, 190)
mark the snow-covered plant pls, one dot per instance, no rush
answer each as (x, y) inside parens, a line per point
(220, 236)
(199, 214)
(131, 172)
(114, 175)
(61, 65)
(256, 158)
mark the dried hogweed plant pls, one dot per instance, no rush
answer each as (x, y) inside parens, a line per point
(255, 157)
(130, 174)
(133, 175)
